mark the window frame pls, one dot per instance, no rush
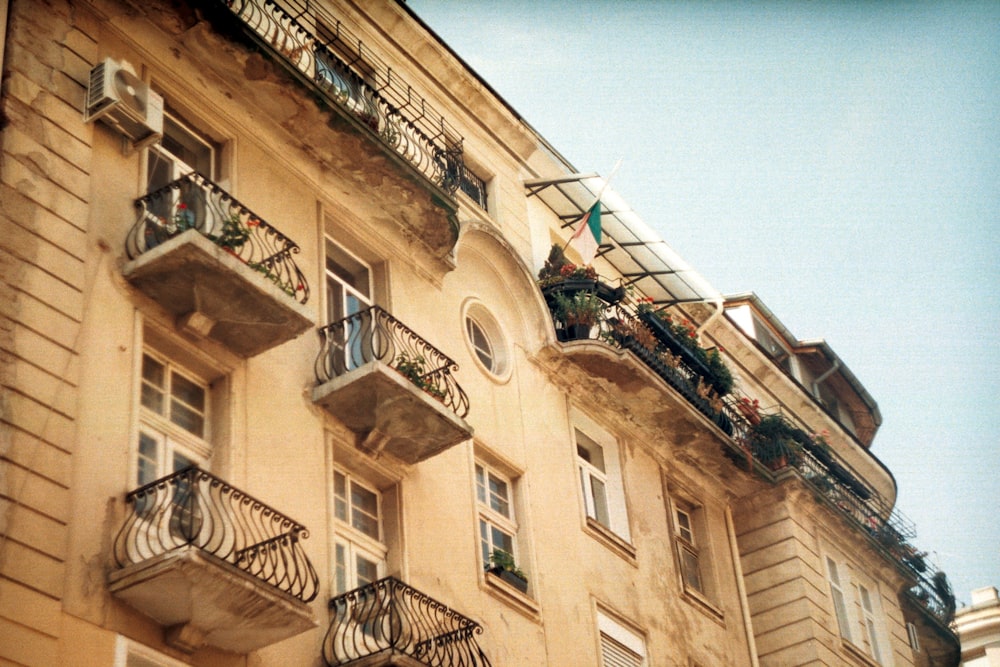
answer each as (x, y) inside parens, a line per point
(871, 622)
(171, 439)
(618, 534)
(354, 540)
(475, 313)
(840, 598)
(488, 517)
(620, 637)
(688, 545)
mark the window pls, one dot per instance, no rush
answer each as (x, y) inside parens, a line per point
(494, 499)
(593, 478)
(911, 633)
(474, 186)
(486, 340)
(837, 592)
(870, 623)
(687, 549)
(133, 654)
(173, 427)
(348, 292)
(180, 151)
(599, 479)
(620, 647)
(359, 553)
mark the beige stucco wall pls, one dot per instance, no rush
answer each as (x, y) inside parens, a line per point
(74, 331)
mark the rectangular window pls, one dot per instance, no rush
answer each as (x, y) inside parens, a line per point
(870, 623)
(600, 483)
(359, 552)
(593, 478)
(173, 428)
(620, 646)
(348, 293)
(911, 633)
(497, 527)
(837, 593)
(181, 151)
(687, 549)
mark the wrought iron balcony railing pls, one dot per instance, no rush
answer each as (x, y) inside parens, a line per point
(193, 507)
(375, 335)
(389, 617)
(194, 202)
(323, 53)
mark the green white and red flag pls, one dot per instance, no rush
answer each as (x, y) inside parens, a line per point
(587, 239)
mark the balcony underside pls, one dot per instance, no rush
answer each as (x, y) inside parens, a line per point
(390, 414)
(201, 600)
(215, 295)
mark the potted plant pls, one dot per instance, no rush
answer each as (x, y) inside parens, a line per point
(577, 313)
(559, 275)
(414, 369)
(502, 564)
(773, 442)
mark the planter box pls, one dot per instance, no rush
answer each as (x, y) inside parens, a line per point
(511, 578)
(604, 292)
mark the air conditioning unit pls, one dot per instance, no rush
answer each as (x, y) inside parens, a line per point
(118, 97)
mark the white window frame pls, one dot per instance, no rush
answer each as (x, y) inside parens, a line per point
(354, 541)
(913, 636)
(128, 653)
(871, 620)
(618, 518)
(619, 643)
(490, 517)
(170, 438)
(837, 578)
(686, 542)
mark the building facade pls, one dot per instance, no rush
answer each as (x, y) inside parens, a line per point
(978, 628)
(298, 369)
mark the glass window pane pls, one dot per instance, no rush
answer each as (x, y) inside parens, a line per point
(367, 570)
(498, 496)
(152, 371)
(181, 461)
(186, 418)
(152, 384)
(148, 447)
(480, 484)
(502, 540)
(364, 510)
(187, 391)
(341, 566)
(690, 571)
(590, 451)
(484, 542)
(600, 501)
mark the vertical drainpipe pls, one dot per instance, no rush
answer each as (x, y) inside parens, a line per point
(734, 554)
(719, 304)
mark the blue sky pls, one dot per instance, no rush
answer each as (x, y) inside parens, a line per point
(841, 160)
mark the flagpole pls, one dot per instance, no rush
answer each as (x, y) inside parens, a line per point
(597, 198)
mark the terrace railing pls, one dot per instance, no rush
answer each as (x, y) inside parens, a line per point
(323, 53)
(390, 617)
(375, 335)
(192, 507)
(624, 326)
(194, 202)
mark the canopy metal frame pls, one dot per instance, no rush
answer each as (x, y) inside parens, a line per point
(629, 245)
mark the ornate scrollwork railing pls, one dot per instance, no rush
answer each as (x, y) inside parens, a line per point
(324, 53)
(194, 202)
(375, 335)
(390, 616)
(193, 507)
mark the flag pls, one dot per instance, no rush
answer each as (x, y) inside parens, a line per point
(587, 238)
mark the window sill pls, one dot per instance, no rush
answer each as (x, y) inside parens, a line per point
(701, 603)
(858, 653)
(509, 595)
(610, 539)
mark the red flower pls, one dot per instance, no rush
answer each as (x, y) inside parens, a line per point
(253, 222)
(182, 205)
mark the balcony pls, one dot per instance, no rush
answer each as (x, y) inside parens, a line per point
(347, 77)
(390, 623)
(222, 270)
(212, 565)
(390, 387)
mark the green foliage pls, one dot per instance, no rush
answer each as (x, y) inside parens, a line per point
(414, 369)
(505, 561)
(583, 308)
(773, 439)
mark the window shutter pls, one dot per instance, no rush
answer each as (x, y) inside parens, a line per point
(616, 654)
